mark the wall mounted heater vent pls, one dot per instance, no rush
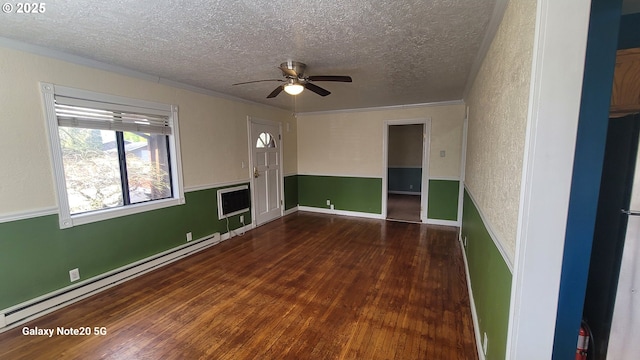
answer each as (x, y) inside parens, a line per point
(233, 201)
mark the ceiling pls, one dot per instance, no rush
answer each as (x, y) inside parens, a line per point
(397, 52)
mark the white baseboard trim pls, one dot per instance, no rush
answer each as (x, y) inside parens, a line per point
(443, 222)
(291, 211)
(29, 310)
(418, 193)
(340, 212)
(474, 314)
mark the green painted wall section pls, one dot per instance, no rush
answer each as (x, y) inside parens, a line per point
(36, 255)
(290, 192)
(346, 193)
(443, 199)
(490, 280)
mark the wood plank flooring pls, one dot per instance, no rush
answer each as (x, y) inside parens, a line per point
(308, 286)
(403, 207)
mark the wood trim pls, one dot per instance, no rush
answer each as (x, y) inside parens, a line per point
(30, 214)
(217, 185)
(474, 313)
(492, 234)
(453, 223)
(340, 212)
(625, 94)
(384, 108)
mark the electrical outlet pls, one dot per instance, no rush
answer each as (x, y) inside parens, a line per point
(485, 343)
(328, 202)
(74, 275)
(443, 153)
(410, 186)
(331, 206)
(242, 219)
(189, 236)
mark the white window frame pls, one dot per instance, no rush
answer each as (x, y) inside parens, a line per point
(66, 219)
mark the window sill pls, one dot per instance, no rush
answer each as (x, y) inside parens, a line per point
(100, 215)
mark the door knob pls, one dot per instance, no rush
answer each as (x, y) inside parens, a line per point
(256, 173)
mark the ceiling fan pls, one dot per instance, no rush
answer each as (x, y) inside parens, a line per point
(295, 80)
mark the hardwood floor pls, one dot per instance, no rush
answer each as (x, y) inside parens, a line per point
(308, 286)
(403, 207)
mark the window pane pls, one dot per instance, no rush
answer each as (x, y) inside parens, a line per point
(91, 168)
(265, 140)
(148, 170)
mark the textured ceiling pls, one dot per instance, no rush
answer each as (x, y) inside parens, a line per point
(397, 52)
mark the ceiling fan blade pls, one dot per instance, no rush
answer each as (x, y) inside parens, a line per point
(317, 89)
(275, 92)
(257, 81)
(330, 78)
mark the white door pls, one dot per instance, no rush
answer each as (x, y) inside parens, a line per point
(266, 172)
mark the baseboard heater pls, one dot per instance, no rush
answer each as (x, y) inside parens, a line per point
(27, 311)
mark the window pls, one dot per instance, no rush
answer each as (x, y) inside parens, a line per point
(112, 156)
(265, 140)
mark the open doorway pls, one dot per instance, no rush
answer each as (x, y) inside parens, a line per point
(611, 280)
(611, 302)
(406, 154)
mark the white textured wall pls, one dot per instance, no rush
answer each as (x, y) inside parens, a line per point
(213, 131)
(350, 143)
(498, 105)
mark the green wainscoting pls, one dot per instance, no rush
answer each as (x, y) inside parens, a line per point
(290, 191)
(346, 193)
(490, 280)
(36, 255)
(443, 199)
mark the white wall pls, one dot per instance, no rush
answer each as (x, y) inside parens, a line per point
(498, 103)
(213, 130)
(350, 143)
(554, 107)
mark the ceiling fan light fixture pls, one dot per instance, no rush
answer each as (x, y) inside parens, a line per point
(293, 89)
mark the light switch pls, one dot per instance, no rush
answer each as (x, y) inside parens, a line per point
(442, 153)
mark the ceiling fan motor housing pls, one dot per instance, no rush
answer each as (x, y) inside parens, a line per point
(295, 68)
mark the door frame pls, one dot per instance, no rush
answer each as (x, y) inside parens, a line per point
(254, 120)
(426, 142)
